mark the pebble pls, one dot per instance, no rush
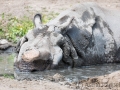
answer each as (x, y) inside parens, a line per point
(3, 41)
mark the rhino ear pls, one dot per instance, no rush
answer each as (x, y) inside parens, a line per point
(66, 24)
(37, 20)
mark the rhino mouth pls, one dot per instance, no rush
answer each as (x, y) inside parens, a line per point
(31, 61)
(36, 65)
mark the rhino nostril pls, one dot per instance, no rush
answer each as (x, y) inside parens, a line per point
(28, 49)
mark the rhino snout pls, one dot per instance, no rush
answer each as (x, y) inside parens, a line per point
(34, 54)
(30, 55)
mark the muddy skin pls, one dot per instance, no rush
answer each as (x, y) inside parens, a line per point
(77, 37)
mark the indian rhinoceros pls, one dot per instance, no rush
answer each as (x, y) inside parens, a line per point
(85, 34)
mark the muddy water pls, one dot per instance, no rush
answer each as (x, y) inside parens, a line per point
(7, 60)
(71, 75)
(6, 63)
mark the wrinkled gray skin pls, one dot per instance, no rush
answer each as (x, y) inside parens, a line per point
(83, 35)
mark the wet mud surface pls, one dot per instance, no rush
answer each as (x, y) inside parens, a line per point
(70, 75)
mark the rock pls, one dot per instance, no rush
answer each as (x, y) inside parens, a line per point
(4, 44)
(6, 47)
(57, 77)
(3, 41)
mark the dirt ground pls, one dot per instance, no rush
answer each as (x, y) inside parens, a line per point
(11, 84)
(21, 8)
(31, 7)
(106, 82)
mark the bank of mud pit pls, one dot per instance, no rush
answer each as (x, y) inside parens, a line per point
(106, 82)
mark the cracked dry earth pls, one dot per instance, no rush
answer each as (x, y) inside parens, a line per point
(29, 8)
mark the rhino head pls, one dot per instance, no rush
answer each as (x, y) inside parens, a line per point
(40, 48)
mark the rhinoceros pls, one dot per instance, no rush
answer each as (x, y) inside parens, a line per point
(85, 34)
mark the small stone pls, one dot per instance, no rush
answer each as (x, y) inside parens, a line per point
(3, 41)
(105, 80)
(4, 44)
(57, 77)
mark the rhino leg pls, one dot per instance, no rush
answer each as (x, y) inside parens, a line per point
(69, 56)
(57, 56)
(69, 52)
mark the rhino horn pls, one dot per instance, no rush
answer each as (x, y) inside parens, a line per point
(30, 55)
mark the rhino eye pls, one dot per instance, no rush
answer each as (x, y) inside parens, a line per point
(26, 39)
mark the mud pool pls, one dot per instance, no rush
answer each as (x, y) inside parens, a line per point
(71, 75)
(7, 60)
(6, 63)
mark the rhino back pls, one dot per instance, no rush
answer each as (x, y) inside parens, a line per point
(95, 32)
(96, 47)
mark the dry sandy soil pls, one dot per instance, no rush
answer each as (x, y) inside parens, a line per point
(21, 8)
(31, 7)
(106, 82)
(11, 84)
